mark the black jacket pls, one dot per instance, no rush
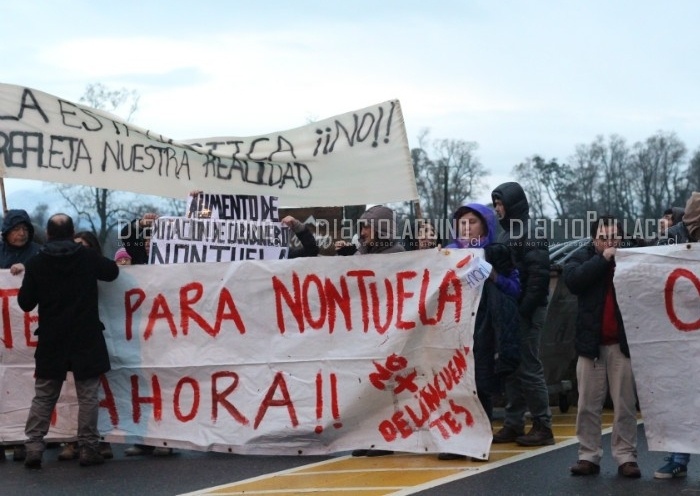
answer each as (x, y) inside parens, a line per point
(62, 281)
(585, 275)
(133, 238)
(531, 252)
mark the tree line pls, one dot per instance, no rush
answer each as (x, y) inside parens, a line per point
(637, 181)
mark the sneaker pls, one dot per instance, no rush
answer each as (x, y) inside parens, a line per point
(106, 451)
(584, 467)
(32, 459)
(360, 452)
(539, 435)
(159, 451)
(90, 456)
(671, 470)
(451, 456)
(19, 453)
(507, 434)
(629, 469)
(69, 452)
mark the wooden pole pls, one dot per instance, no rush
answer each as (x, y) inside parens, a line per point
(4, 198)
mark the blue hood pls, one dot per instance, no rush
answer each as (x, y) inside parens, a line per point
(487, 215)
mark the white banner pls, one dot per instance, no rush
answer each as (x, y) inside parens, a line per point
(355, 158)
(658, 290)
(183, 240)
(305, 356)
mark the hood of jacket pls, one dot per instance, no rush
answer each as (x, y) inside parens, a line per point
(515, 202)
(488, 218)
(60, 253)
(382, 219)
(13, 218)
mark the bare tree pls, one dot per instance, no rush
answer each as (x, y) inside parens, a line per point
(692, 179)
(657, 165)
(549, 185)
(448, 173)
(102, 208)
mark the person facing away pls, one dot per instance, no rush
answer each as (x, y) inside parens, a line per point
(526, 389)
(62, 281)
(497, 321)
(603, 354)
(684, 230)
(17, 244)
(71, 450)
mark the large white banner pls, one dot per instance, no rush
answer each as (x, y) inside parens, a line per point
(658, 290)
(305, 356)
(355, 158)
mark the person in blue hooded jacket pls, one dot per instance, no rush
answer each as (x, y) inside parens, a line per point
(497, 320)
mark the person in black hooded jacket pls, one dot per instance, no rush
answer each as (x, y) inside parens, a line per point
(62, 281)
(18, 244)
(526, 389)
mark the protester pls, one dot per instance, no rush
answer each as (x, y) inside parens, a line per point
(88, 240)
(378, 232)
(684, 230)
(17, 246)
(672, 216)
(526, 389)
(497, 321)
(688, 229)
(122, 257)
(426, 237)
(603, 354)
(70, 449)
(62, 281)
(377, 235)
(309, 247)
(135, 237)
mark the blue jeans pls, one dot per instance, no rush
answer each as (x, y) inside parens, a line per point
(526, 389)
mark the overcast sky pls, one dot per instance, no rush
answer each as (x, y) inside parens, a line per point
(520, 78)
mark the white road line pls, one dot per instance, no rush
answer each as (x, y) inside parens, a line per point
(401, 491)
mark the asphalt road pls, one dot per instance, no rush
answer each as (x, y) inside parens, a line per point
(189, 471)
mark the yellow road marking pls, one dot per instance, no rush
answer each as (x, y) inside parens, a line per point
(395, 475)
